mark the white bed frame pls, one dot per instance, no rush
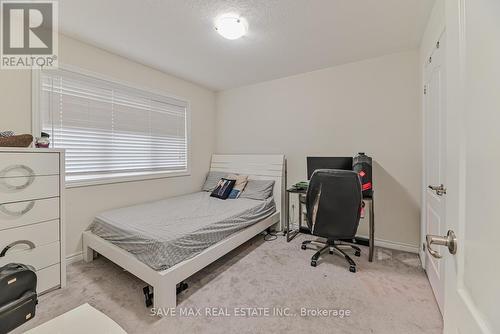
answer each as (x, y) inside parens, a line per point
(267, 167)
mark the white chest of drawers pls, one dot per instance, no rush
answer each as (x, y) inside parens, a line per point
(32, 213)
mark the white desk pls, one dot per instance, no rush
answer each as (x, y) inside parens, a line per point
(82, 320)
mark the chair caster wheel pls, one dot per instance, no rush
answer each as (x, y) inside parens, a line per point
(304, 247)
(352, 269)
(313, 263)
(331, 252)
(358, 254)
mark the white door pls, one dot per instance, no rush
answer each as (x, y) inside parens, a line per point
(472, 275)
(434, 159)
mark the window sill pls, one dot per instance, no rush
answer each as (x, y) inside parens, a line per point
(87, 181)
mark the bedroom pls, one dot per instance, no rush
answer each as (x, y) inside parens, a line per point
(141, 100)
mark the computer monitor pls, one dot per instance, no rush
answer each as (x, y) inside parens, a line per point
(313, 163)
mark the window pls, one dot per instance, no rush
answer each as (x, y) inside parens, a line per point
(111, 131)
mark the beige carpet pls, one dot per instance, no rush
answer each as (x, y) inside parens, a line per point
(390, 295)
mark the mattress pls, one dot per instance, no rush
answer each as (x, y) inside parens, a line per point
(166, 232)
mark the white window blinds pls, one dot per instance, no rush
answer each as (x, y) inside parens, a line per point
(111, 130)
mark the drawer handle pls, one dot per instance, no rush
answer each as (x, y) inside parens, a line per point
(18, 242)
(31, 176)
(24, 211)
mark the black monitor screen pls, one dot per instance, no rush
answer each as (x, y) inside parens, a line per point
(313, 163)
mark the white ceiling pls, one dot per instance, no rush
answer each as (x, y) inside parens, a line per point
(285, 37)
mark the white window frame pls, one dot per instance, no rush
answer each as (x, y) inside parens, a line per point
(117, 177)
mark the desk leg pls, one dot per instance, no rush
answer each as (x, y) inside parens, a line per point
(372, 230)
(287, 216)
(300, 214)
(289, 234)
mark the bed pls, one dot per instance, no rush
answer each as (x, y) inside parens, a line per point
(166, 232)
(164, 242)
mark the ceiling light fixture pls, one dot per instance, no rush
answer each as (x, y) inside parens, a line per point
(231, 27)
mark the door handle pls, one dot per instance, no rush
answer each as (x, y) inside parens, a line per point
(24, 211)
(30, 244)
(450, 241)
(30, 174)
(440, 190)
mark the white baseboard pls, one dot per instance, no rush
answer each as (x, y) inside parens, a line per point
(395, 245)
(75, 257)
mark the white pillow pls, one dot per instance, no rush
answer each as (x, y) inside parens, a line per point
(258, 189)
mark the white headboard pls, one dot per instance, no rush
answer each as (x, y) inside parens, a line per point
(257, 167)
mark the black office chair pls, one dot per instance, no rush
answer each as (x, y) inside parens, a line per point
(334, 201)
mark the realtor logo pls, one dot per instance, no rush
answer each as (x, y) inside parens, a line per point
(29, 34)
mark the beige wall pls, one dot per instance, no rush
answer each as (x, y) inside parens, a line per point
(83, 203)
(371, 106)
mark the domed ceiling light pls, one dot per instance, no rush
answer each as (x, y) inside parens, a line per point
(231, 26)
